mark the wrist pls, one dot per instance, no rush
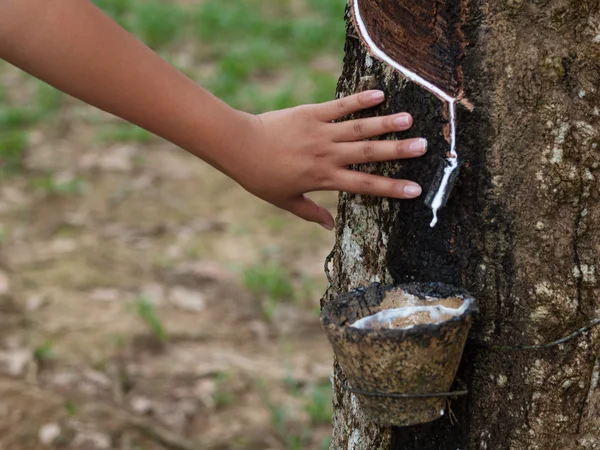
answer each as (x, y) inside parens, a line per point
(225, 138)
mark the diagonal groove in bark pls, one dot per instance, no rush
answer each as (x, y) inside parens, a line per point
(592, 386)
(499, 303)
(593, 381)
(576, 257)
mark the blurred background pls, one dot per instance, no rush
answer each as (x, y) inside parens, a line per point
(146, 301)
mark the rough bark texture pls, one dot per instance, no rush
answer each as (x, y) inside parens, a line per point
(521, 230)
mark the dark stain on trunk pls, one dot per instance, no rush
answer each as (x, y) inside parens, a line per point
(451, 252)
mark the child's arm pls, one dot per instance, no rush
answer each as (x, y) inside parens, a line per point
(278, 156)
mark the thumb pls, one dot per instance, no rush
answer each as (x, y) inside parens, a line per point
(306, 209)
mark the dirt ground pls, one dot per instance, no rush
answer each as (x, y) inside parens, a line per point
(125, 321)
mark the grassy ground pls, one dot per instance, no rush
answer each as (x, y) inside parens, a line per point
(146, 301)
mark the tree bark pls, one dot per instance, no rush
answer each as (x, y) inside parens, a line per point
(521, 230)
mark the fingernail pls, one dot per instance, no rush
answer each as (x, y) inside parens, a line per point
(327, 226)
(412, 190)
(402, 121)
(377, 95)
(418, 147)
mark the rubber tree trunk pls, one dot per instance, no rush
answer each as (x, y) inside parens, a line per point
(521, 230)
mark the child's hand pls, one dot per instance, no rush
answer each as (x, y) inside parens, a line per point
(300, 150)
(278, 156)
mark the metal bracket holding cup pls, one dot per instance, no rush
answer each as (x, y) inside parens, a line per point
(452, 394)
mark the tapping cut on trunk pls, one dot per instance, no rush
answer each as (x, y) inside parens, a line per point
(427, 52)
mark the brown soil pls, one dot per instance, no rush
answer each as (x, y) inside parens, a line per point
(79, 368)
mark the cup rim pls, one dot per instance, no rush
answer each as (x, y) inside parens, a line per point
(415, 288)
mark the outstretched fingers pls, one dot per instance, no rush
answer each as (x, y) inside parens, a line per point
(366, 184)
(337, 109)
(356, 130)
(306, 209)
(359, 129)
(374, 151)
(345, 143)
